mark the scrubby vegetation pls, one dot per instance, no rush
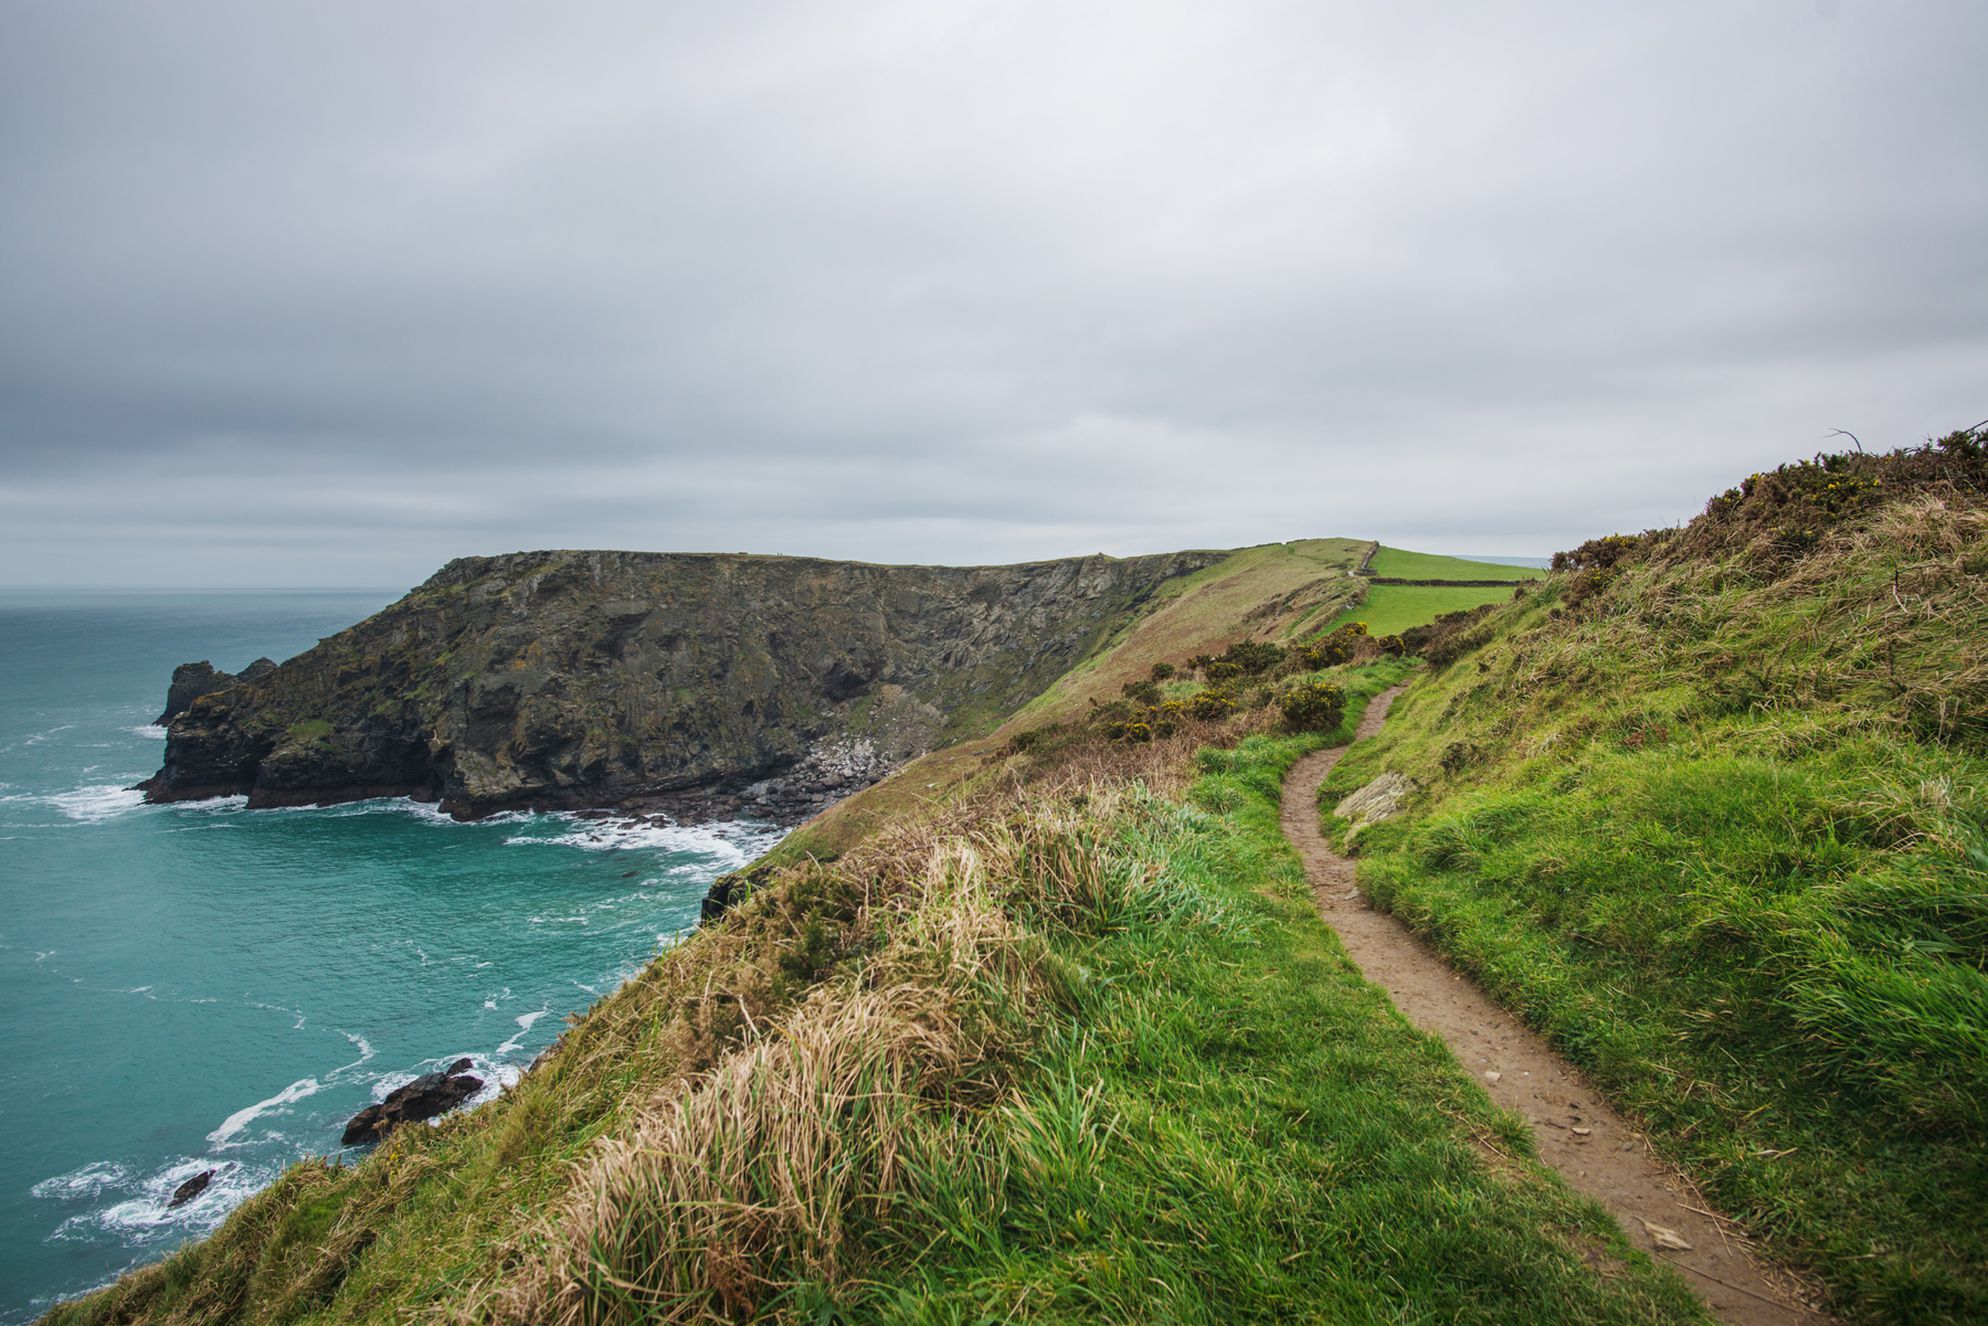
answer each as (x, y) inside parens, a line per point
(1077, 1050)
(1242, 677)
(1057, 1033)
(1312, 704)
(1712, 811)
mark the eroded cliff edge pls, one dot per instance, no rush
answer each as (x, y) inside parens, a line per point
(700, 684)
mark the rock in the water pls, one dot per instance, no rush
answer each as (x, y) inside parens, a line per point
(193, 680)
(1379, 800)
(423, 1098)
(192, 1188)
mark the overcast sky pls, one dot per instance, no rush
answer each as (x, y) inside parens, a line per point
(326, 294)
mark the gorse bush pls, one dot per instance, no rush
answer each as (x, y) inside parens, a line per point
(1213, 703)
(1312, 705)
(1253, 657)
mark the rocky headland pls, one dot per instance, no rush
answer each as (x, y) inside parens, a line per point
(700, 685)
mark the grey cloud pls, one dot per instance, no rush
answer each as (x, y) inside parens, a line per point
(329, 294)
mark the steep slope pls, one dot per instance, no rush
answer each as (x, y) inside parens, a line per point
(695, 683)
(1273, 591)
(1073, 1051)
(1711, 809)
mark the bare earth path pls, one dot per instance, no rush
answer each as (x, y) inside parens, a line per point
(1595, 1149)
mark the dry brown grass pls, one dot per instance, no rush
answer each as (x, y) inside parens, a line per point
(730, 1186)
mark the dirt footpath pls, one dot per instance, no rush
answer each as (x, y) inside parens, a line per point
(1595, 1149)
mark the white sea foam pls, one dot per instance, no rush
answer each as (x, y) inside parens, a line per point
(151, 731)
(40, 737)
(731, 842)
(240, 1119)
(524, 1022)
(97, 802)
(296, 1013)
(87, 1181)
(213, 805)
(148, 1213)
(363, 1046)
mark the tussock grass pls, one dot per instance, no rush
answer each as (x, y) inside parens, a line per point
(752, 1178)
(1718, 829)
(1076, 1047)
(1104, 1063)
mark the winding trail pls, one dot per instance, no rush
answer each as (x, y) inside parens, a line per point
(1596, 1150)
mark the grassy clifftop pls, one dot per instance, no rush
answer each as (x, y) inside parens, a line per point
(1069, 1042)
(1078, 1051)
(1712, 809)
(1275, 591)
(1046, 1026)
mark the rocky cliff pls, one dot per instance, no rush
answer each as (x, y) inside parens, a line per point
(700, 684)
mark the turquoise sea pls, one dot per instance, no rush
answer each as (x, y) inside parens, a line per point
(198, 986)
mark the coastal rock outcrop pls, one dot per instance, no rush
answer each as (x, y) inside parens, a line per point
(425, 1097)
(193, 680)
(190, 682)
(700, 685)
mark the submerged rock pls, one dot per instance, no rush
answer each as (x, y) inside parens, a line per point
(425, 1097)
(192, 1188)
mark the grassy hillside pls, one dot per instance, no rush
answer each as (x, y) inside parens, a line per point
(1712, 810)
(1275, 591)
(1392, 609)
(1073, 1051)
(1069, 1042)
(1398, 563)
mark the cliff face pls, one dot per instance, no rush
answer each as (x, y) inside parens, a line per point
(696, 683)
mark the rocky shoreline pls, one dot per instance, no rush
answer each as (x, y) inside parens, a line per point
(695, 686)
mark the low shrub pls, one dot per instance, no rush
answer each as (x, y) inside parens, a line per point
(1215, 702)
(1312, 705)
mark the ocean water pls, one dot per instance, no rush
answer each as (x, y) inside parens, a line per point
(196, 986)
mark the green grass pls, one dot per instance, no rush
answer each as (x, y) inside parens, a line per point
(1708, 832)
(1113, 1068)
(1276, 588)
(1230, 1125)
(1397, 563)
(1392, 609)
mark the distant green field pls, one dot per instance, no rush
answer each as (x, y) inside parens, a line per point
(1392, 609)
(1428, 566)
